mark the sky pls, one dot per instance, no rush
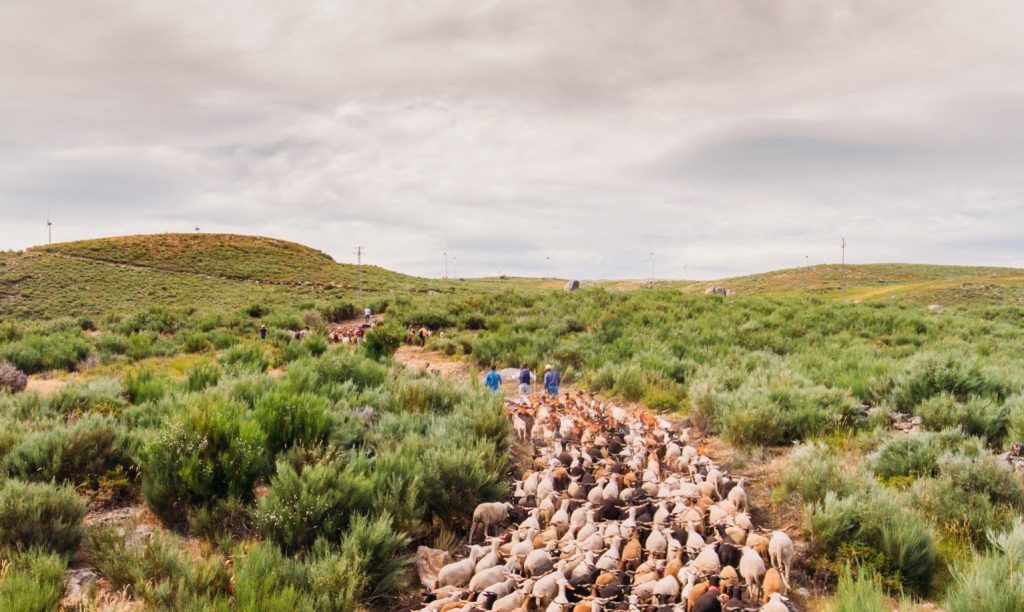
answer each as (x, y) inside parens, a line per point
(585, 137)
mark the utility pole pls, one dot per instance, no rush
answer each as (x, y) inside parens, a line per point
(842, 273)
(547, 269)
(652, 268)
(807, 261)
(49, 230)
(359, 264)
(455, 269)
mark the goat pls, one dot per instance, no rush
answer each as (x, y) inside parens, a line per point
(781, 552)
(488, 515)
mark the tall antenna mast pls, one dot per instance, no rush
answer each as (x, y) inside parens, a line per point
(359, 264)
(49, 229)
(652, 268)
(547, 267)
(842, 274)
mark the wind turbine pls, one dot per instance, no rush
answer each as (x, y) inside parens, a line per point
(49, 229)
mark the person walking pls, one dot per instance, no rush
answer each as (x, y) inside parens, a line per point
(525, 379)
(551, 380)
(263, 332)
(367, 313)
(493, 380)
(359, 337)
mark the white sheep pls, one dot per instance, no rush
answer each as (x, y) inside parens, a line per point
(459, 573)
(775, 604)
(752, 570)
(738, 495)
(487, 515)
(781, 552)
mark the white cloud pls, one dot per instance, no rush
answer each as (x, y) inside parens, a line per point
(729, 137)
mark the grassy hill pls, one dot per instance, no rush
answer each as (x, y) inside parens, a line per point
(94, 277)
(922, 284)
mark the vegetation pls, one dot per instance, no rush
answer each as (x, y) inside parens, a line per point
(316, 469)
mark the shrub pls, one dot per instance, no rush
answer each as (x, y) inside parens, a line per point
(43, 515)
(918, 455)
(906, 543)
(316, 501)
(265, 579)
(858, 593)
(11, 378)
(337, 312)
(246, 358)
(100, 395)
(37, 353)
(34, 580)
(383, 340)
(780, 415)
(145, 385)
(255, 311)
(78, 455)
(989, 581)
(290, 419)
(385, 561)
(630, 383)
(813, 470)
(212, 451)
(201, 376)
(156, 572)
(224, 518)
(337, 579)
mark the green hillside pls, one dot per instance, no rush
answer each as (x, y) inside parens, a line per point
(116, 275)
(922, 284)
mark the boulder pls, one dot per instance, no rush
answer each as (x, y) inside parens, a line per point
(78, 584)
(572, 285)
(429, 562)
(936, 307)
(722, 291)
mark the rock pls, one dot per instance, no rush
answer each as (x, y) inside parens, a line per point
(78, 584)
(429, 562)
(572, 285)
(722, 291)
(366, 414)
(901, 421)
(936, 307)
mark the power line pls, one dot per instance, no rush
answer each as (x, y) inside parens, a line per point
(359, 264)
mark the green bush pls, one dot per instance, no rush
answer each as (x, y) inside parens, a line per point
(813, 470)
(383, 340)
(316, 501)
(246, 358)
(34, 580)
(214, 450)
(291, 419)
(37, 353)
(202, 375)
(42, 515)
(385, 562)
(145, 385)
(917, 455)
(989, 582)
(156, 572)
(78, 455)
(266, 580)
(338, 312)
(98, 395)
(780, 415)
(860, 593)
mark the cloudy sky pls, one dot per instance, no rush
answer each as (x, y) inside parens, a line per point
(724, 136)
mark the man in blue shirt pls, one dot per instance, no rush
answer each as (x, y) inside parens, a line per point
(525, 379)
(493, 380)
(551, 380)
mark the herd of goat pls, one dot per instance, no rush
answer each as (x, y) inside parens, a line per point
(617, 512)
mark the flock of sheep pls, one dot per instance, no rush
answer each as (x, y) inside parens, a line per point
(618, 512)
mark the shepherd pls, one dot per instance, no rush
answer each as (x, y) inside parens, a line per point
(551, 380)
(525, 378)
(366, 314)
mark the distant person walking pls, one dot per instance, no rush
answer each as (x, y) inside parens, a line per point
(551, 380)
(263, 332)
(493, 380)
(359, 336)
(525, 379)
(367, 313)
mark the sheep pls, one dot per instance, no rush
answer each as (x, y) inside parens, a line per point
(666, 589)
(775, 604)
(487, 515)
(738, 495)
(773, 583)
(752, 570)
(459, 573)
(781, 552)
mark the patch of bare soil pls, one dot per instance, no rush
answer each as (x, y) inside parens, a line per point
(45, 386)
(419, 359)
